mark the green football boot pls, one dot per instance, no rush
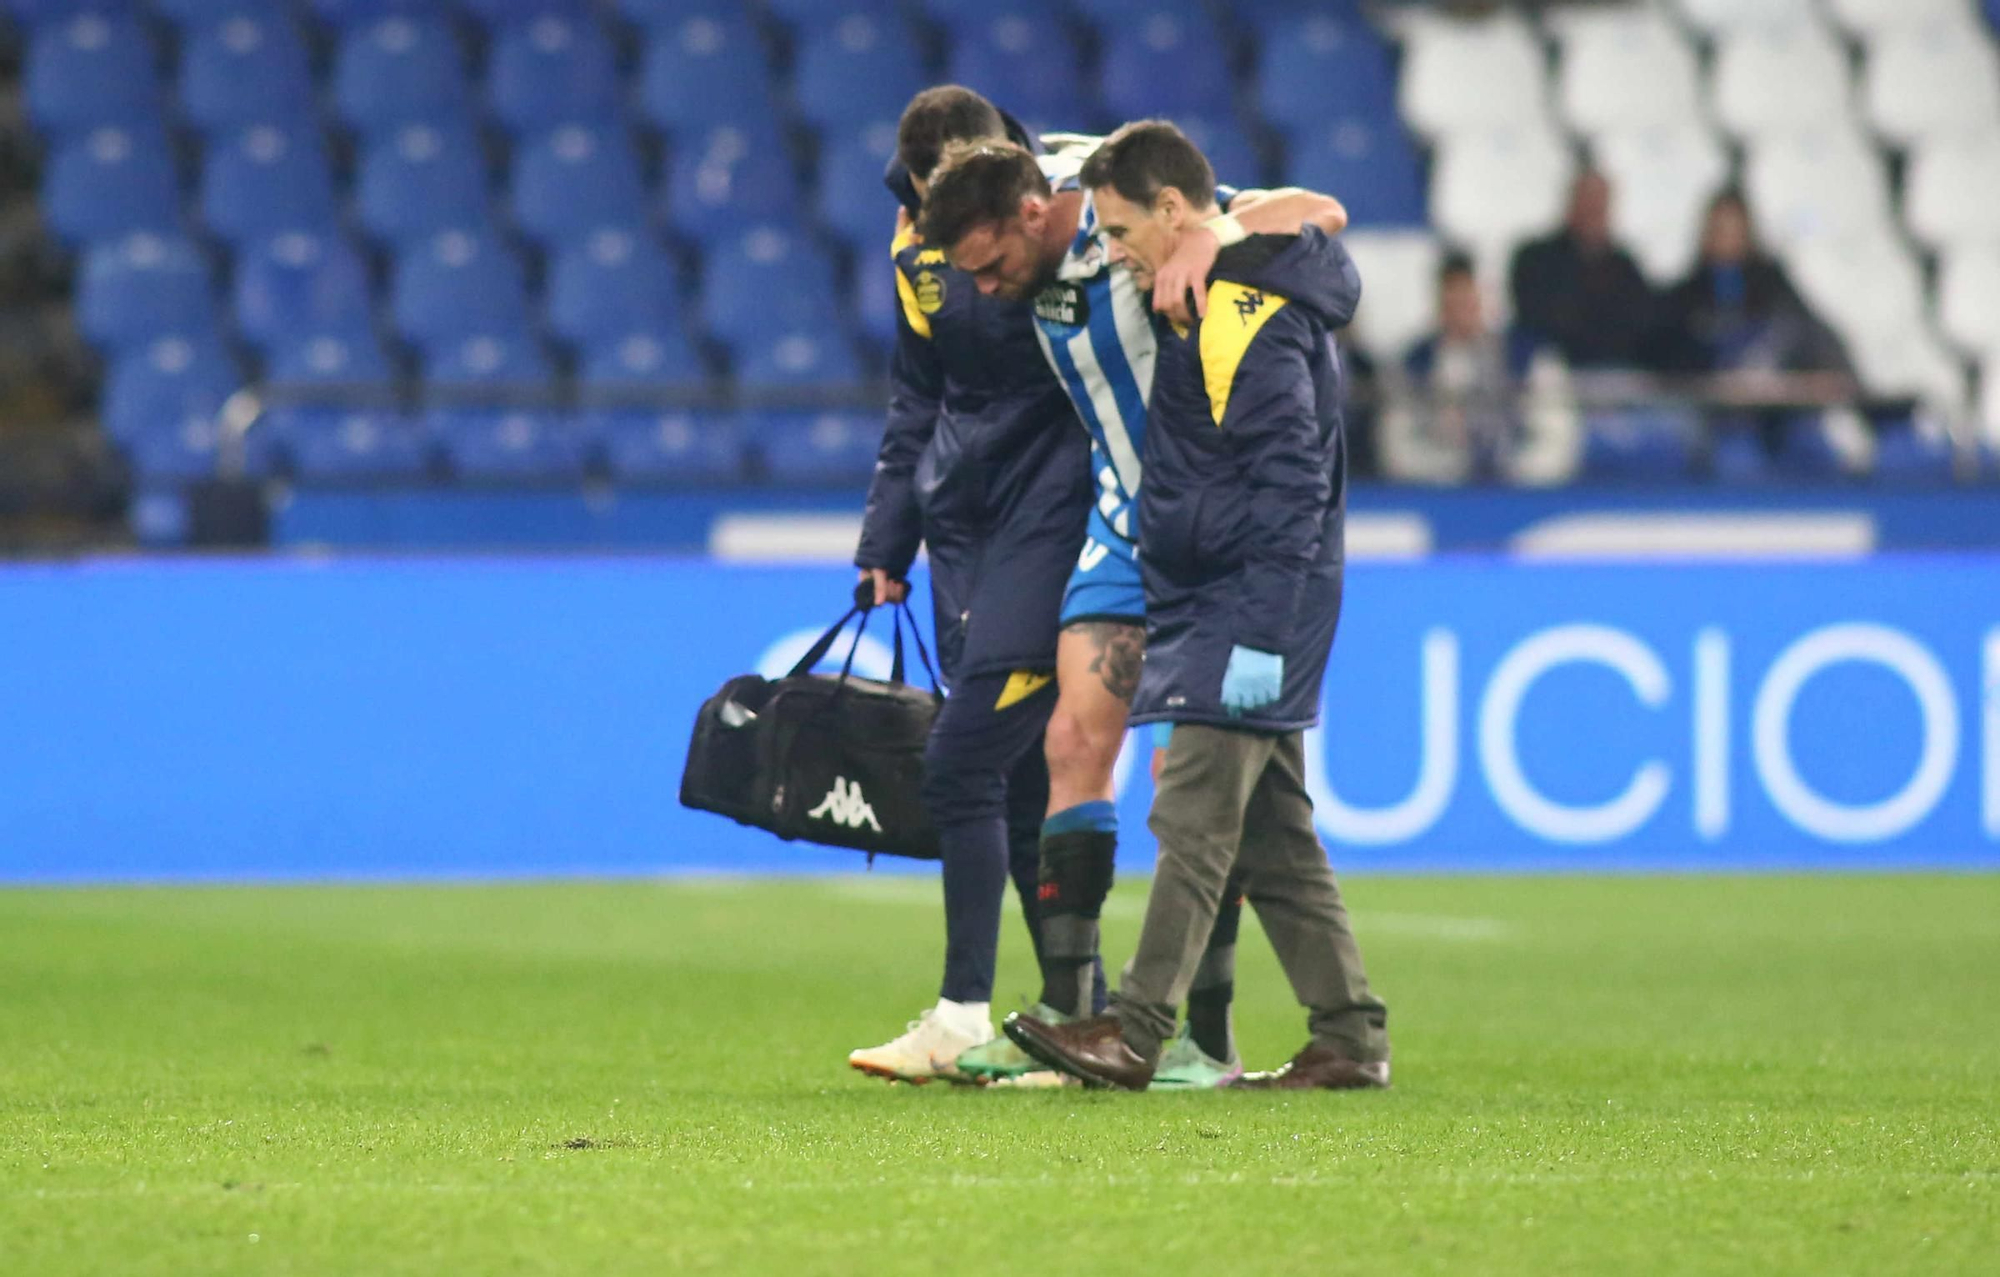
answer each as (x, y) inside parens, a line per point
(1186, 1067)
(1000, 1061)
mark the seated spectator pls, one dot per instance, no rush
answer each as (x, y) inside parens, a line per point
(1579, 290)
(1475, 404)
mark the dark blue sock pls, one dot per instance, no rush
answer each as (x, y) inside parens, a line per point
(975, 884)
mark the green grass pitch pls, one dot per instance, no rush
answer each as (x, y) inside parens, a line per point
(1593, 1075)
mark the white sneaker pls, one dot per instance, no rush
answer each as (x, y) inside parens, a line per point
(926, 1050)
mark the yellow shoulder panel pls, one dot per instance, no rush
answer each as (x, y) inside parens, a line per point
(920, 323)
(1235, 313)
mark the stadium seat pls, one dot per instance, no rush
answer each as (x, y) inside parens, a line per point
(875, 300)
(1951, 192)
(650, 14)
(609, 284)
(670, 448)
(827, 448)
(1109, 14)
(397, 70)
(1717, 18)
(300, 282)
(418, 180)
(1398, 288)
(193, 15)
(1861, 285)
(349, 358)
(338, 446)
(577, 179)
(1932, 82)
(1969, 296)
(705, 72)
(1870, 19)
(1910, 361)
(812, 354)
(458, 285)
(766, 283)
(1462, 74)
(167, 381)
(852, 200)
(1318, 68)
(244, 70)
(1490, 191)
(1166, 64)
(1008, 55)
(489, 357)
(1779, 79)
(1625, 68)
(266, 180)
(1369, 163)
(486, 445)
(144, 286)
(31, 14)
(854, 64)
(1736, 455)
(92, 69)
(1827, 183)
(725, 181)
(1912, 452)
(806, 12)
(1639, 446)
(110, 182)
(550, 70)
(639, 359)
(1662, 179)
(1231, 153)
(498, 14)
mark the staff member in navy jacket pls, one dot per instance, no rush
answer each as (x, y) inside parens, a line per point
(1242, 547)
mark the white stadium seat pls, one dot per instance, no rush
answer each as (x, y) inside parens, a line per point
(1932, 82)
(1870, 18)
(1398, 288)
(1969, 297)
(1661, 179)
(1625, 68)
(1717, 17)
(1461, 74)
(1864, 286)
(1951, 191)
(1825, 183)
(1989, 398)
(1910, 361)
(1777, 79)
(1491, 190)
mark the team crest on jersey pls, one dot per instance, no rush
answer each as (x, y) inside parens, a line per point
(1063, 303)
(930, 291)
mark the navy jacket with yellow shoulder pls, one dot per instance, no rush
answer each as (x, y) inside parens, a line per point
(1246, 483)
(983, 461)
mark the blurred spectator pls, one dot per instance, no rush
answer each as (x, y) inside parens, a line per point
(1578, 289)
(1478, 405)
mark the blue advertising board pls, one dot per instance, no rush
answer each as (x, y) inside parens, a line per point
(293, 718)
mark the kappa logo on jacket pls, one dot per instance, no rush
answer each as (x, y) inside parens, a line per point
(845, 805)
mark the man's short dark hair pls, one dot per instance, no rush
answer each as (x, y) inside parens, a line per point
(1146, 156)
(978, 185)
(1456, 262)
(936, 118)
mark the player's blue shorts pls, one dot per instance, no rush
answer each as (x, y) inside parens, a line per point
(1106, 584)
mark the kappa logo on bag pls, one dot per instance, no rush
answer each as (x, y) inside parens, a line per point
(845, 805)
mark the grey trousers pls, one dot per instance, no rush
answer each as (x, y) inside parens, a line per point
(1222, 791)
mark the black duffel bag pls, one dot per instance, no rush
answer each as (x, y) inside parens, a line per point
(834, 759)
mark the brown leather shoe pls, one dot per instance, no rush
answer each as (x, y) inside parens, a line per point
(1092, 1049)
(1319, 1068)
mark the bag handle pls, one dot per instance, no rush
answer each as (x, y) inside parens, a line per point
(903, 614)
(864, 606)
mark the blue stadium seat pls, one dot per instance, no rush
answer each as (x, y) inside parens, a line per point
(650, 14)
(490, 356)
(575, 180)
(1019, 58)
(144, 286)
(875, 299)
(1170, 64)
(614, 298)
(551, 69)
(1229, 150)
(191, 15)
(92, 69)
(355, 13)
(190, 450)
(244, 70)
(640, 359)
(337, 446)
(418, 180)
(695, 449)
(812, 354)
(831, 448)
(1319, 68)
(351, 358)
(1993, 15)
(1805, 451)
(1115, 13)
(1369, 163)
(300, 283)
(852, 200)
(266, 180)
(728, 180)
(1737, 457)
(1905, 455)
(501, 13)
(110, 182)
(807, 12)
(483, 444)
(704, 71)
(963, 19)
(458, 285)
(766, 283)
(169, 380)
(36, 13)
(396, 70)
(1639, 446)
(854, 64)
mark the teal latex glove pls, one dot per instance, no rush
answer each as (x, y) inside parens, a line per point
(1253, 680)
(1163, 735)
